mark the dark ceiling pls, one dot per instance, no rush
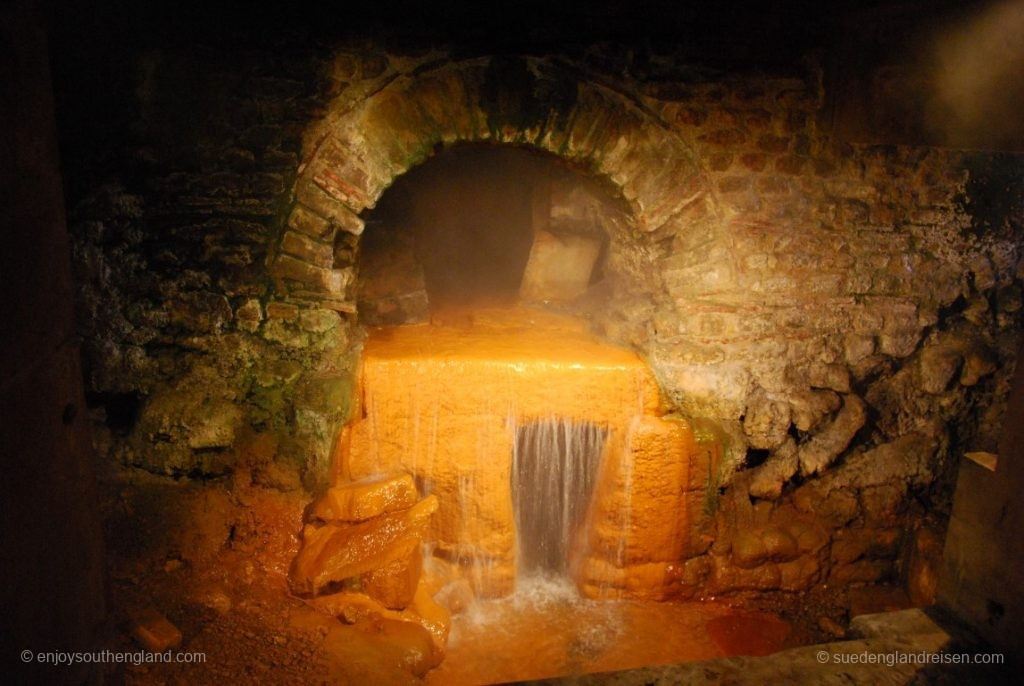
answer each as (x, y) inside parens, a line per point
(757, 33)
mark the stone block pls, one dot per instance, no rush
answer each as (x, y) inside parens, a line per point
(905, 460)
(325, 205)
(322, 280)
(892, 621)
(559, 267)
(858, 346)
(359, 608)
(726, 577)
(834, 377)
(937, 365)
(978, 363)
(751, 548)
(248, 315)
(308, 222)
(810, 407)
(308, 249)
(282, 310)
(410, 642)
(705, 390)
(153, 631)
(773, 144)
(431, 615)
(191, 418)
(337, 169)
(899, 343)
(365, 499)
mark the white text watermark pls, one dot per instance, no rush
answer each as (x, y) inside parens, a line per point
(139, 657)
(899, 658)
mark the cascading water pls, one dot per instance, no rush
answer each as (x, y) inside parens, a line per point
(554, 468)
(533, 435)
(562, 490)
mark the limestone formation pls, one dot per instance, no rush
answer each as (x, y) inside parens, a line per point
(780, 467)
(827, 444)
(766, 421)
(939, 365)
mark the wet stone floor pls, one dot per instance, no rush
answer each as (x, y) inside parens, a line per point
(546, 630)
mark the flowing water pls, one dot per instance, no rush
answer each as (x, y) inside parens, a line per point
(554, 468)
(558, 482)
(506, 416)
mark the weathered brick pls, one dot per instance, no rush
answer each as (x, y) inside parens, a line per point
(720, 162)
(691, 116)
(309, 250)
(322, 203)
(310, 223)
(332, 281)
(754, 161)
(723, 137)
(282, 310)
(773, 144)
(790, 164)
(735, 183)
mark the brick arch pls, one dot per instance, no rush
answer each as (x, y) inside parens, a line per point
(360, 149)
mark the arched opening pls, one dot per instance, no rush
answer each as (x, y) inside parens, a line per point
(506, 434)
(483, 225)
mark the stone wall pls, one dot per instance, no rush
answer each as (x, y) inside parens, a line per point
(187, 359)
(843, 317)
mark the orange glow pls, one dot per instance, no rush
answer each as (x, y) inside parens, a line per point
(523, 638)
(442, 402)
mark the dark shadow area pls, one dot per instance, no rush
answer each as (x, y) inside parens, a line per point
(467, 217)
(482, 225)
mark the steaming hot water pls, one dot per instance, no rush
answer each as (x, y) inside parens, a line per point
(565, 499)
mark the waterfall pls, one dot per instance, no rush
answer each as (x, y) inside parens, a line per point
(554, 467)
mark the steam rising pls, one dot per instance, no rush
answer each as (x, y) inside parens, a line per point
(979, 79)
(470, 214)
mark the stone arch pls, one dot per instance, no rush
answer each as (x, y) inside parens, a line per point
(357, 151)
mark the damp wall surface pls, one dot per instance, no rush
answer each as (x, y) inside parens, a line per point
(844, 317)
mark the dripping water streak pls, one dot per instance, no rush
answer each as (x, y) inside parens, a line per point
(554, 468)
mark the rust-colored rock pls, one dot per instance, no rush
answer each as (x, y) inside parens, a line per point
(431, 616)
(644, 516)
(414, 641)
(394, 584)
(357, 608)
(335, 552)
(153, 631)
(358, 501)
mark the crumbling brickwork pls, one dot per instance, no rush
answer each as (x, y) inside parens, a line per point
(843, 316)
